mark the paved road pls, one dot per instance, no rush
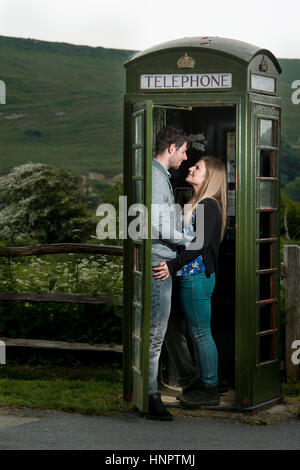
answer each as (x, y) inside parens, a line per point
(64, 431)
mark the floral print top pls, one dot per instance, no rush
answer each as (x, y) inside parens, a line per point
(196, 266)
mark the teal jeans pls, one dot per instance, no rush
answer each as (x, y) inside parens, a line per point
(195, 294)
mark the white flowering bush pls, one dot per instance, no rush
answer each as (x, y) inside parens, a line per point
(91, 274)
(45, 203)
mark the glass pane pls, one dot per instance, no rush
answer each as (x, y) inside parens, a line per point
(139, 191)
(266, 132)
(137, 321)
(266, 224)
(266, 321)
(138, 161)
(266, 259)
(138, 289)
(138, 266)
(267, 195)
(137, 354)
(265, 286)
(266, 348)
(267, 163)
(159, 121)
(139, 129)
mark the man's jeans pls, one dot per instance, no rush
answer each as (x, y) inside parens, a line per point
(179, 353)
(161, 292)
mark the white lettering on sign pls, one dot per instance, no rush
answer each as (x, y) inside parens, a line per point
(261, 83)
(191, 80)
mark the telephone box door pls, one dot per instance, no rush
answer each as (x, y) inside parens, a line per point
(257, 348)
(139, 244)
(147, 119)
(266, 132)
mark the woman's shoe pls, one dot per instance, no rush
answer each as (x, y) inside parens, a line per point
(157, 409)
(204, 396)
(222, 388)
(198, 384)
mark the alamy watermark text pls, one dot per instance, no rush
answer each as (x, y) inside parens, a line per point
(168, 223)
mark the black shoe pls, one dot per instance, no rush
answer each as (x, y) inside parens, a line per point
(198, 384)
(204, 396)
(157, 409)
(222, 389)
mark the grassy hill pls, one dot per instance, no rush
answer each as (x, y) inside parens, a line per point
(64, 105)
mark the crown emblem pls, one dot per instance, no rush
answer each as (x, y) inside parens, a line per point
(186, 62)
(263, 66)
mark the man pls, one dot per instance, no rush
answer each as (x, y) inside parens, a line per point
(170, 152)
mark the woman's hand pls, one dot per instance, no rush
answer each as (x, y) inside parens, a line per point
(162, 271)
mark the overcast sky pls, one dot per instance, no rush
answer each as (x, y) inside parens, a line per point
(139, 24)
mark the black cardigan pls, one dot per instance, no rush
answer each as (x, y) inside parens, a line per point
(210, 248)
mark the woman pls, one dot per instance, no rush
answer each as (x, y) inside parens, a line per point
(195, 270)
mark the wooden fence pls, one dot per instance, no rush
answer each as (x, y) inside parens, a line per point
(292, 310)
(60, 248)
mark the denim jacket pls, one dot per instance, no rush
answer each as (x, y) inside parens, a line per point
(165, 236)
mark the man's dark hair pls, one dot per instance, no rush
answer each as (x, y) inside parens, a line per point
(168, 136)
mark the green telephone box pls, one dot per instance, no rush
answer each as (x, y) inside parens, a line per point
(224, 94)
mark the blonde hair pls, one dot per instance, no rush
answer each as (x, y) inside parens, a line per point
(214, 187)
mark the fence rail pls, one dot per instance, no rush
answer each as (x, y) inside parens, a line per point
(60, 297)
(57, 248)
(66, 345)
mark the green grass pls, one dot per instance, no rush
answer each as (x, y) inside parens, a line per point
(81, 389)
(291, 395)
(85, 390)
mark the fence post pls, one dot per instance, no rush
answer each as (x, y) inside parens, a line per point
(292, 307)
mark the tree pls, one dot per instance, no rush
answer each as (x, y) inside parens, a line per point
(289, 217)
(289, 162)
(293, 189)
(112, 197)
(43, 202)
